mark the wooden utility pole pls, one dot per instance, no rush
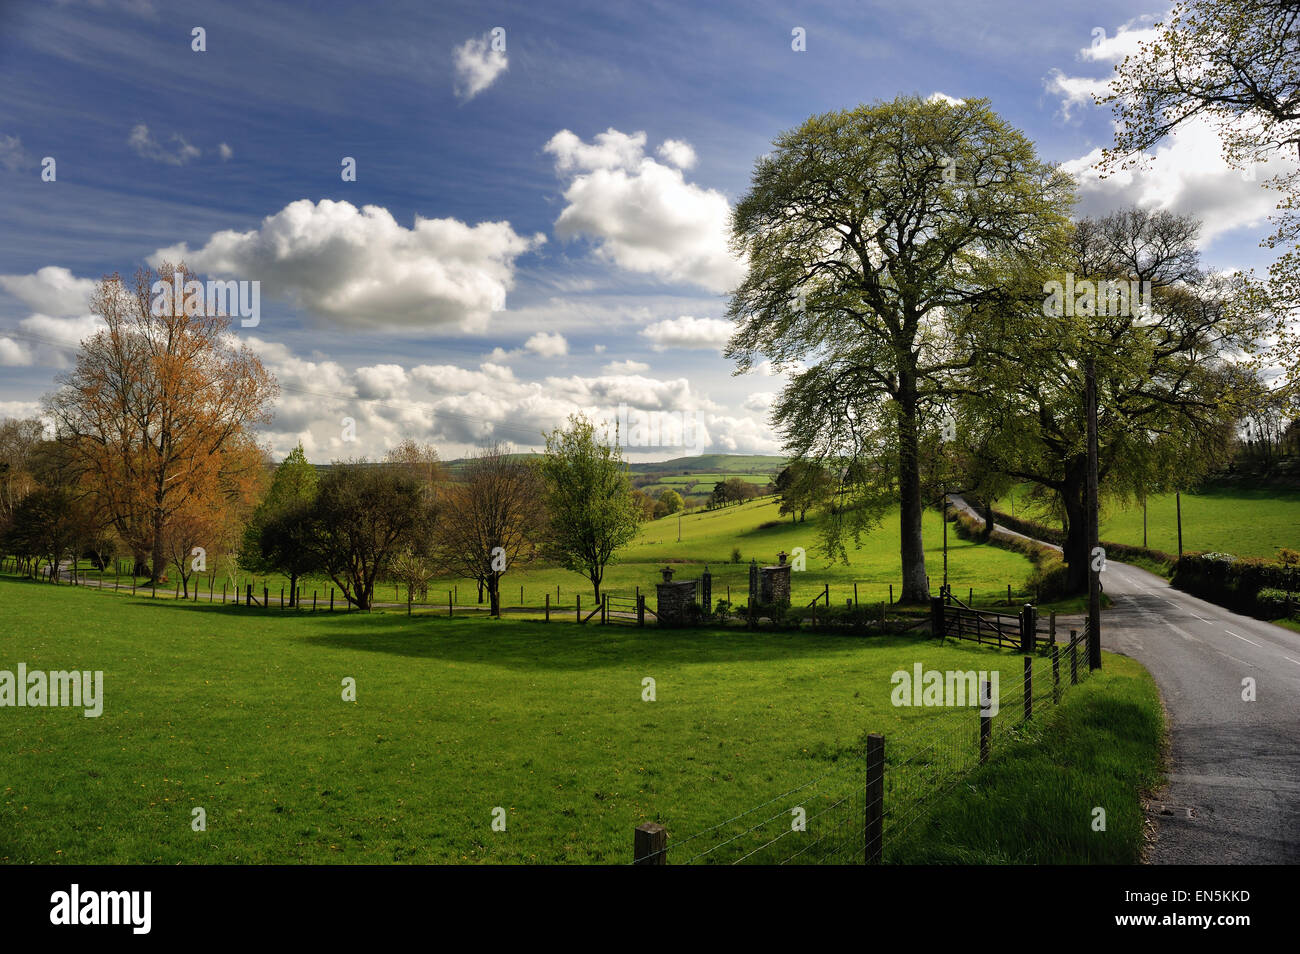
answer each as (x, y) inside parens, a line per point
(1178, 506)
(945, 542)
(1144, 519)
(1094, 570)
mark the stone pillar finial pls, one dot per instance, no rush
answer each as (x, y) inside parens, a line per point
(781, 557)
(668, 574)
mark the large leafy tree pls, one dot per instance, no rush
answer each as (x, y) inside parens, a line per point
(589, 506)
(863, 229)
(1169, 378)
(668, 502)
(801, 486)
(360, 520)
(1235, 63)
(288, 541)
(158, 412)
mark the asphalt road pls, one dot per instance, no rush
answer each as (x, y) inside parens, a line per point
(1234, 780)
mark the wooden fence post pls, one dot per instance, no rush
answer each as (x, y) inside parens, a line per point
(986, 721)
(1051, 628)
(1028, 624)
(640, 610)
(548, 607)
(875, 804)
(650, 844)
(891, 594)
(1074, 658)
(1029, 688)
(577, 606)
(855, 593)
(1009, 603)
(313, 601)
(450, 597)
(604, 608)
(282, 597)
(882, 617)
(1056, 674)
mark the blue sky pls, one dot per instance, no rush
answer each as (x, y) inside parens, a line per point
(532, 231)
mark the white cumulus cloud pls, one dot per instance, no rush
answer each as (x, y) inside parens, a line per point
(52, 290)
(1186, 174)
(676, 152)
(547, 345)
(477, 65)
(688, 332)
(642, 214)
(360, 267)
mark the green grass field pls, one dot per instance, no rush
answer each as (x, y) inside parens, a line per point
(708, 538)
(241, 713)
(1034, 802)
(1248, 523)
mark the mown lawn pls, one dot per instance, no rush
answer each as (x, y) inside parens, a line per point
(241, 713)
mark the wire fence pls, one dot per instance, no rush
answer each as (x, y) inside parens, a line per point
(865, 806)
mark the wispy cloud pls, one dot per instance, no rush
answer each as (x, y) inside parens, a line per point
(144, 143)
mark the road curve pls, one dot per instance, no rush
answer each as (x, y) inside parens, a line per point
(1234, 779)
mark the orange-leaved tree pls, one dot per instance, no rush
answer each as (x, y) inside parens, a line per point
(158, 410)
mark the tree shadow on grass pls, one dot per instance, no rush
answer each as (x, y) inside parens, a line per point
(520, 644)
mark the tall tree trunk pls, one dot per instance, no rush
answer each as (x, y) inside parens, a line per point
(159, 560)
(1074, 499)
(988, 516)
(916, 588)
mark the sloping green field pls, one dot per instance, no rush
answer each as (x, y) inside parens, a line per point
(1248, 523)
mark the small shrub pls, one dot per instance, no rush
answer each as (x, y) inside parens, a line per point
(735, 555)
